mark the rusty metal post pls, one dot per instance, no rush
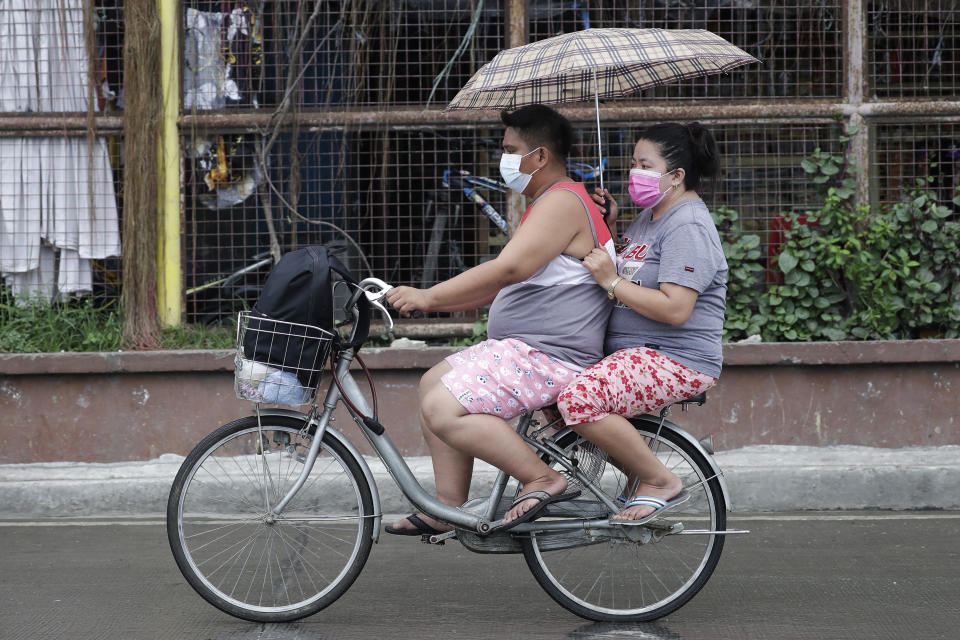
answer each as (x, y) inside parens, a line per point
(855, 52)
(337, 119)
(516, 17)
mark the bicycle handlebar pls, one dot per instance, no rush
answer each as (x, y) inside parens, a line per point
(377, 295)
(463, 176)
(376, 290)
(585, 170)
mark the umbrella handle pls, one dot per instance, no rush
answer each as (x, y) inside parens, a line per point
(596, 104)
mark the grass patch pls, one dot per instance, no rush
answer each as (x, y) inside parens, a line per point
(85, 325)
(43, 327)
(198, 336)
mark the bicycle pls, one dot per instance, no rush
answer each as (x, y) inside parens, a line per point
(272, 516)
(437, 265)
(447, 217)
(468, 183)
(218, 299)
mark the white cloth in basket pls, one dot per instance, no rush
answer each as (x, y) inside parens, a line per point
(259, 382)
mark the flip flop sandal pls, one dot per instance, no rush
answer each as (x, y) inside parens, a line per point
(660, 506)
(421, 528)
(544, 500)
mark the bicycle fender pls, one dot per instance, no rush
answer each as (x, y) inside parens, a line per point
(654, 423)
(349, 446)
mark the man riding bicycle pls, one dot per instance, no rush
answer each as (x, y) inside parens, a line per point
(546, 323)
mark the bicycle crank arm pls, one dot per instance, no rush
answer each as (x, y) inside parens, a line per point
(439, 538)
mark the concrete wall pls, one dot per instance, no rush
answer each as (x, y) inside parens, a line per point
(111, 407)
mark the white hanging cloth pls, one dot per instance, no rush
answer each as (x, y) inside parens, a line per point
(49, 190)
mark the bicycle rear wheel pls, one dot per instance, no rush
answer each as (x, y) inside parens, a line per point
(634, 573)
(253, 566)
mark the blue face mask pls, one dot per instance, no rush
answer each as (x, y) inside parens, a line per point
(515, 179)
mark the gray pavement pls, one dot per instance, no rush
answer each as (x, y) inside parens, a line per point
(760, 478)
(798, 576)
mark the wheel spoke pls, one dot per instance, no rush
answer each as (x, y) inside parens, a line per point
(314, 570)
(242, 571)
(252, 537)
(217, 539)
(224, 485)
(323, 543)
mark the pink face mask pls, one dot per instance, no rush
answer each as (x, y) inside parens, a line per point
(644, 187)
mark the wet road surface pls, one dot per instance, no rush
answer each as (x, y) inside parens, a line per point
(843, 575)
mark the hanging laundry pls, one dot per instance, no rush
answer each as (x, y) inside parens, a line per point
(58, 208)
(207, 61)
(209, 41)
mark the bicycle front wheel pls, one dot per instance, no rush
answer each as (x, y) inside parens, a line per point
(635, 573)
(245, 561)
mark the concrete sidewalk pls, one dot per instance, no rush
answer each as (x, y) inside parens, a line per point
(760, 478)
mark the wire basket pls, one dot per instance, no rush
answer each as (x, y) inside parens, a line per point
(279, 362)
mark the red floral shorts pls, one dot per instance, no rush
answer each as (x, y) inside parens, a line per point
(628, 383)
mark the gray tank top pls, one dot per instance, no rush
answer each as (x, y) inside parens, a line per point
(560, 310)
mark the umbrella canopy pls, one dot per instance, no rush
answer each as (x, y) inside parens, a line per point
(596, 63)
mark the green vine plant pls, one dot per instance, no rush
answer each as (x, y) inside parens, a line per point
(849, 272)
(746, 267)
(478, 333)
(909, 280)
(817, 294)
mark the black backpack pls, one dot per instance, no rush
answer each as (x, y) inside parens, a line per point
(299, 289)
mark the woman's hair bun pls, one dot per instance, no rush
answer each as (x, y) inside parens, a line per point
(704, 148)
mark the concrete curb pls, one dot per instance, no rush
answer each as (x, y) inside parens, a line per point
(760, 478)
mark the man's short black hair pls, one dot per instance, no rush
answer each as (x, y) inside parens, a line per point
(539, 125)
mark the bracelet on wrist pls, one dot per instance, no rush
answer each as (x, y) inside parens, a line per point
(613, 285)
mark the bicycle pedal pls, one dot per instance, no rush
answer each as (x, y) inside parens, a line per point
(438, 538)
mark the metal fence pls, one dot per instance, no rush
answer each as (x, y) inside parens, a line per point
(914, 49)
(320, 121)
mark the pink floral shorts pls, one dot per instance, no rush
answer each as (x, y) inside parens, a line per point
(628, 383)
(505, 378)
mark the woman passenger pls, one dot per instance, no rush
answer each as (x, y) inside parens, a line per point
(664, 337)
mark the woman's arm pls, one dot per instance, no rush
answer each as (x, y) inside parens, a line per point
(671, 304)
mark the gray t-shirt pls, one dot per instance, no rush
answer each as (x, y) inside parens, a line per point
(682, 247)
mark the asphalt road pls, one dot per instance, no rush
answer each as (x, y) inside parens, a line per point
(842, 575)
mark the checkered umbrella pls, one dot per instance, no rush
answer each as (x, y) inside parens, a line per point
(596, 63)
